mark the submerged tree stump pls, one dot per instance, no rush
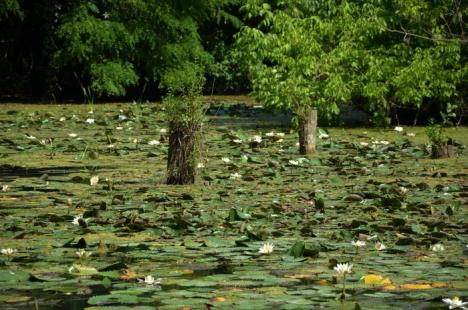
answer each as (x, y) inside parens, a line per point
(443, 150)
(307, 133)
(181, 165)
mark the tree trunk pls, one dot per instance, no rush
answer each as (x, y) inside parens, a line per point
(307, 132)
(181, 155)
(442, 150)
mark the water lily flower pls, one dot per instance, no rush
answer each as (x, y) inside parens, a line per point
(31, 137)
(280, 140)
(63, 119)
(438, 247)
(358, 243)
(200, 165)
(343, 269)
(402, 190)
(81, 253)
(110, 146)
(266, 248)
(76, 219)
(323, 136)
(280, 134)
(364, 143)
(72, 135)
(257, 139)
(150, 280)
(380, 246)
(235, 176)
(135, 141)
(294, 162)
(154, 142)
(94, 180)
(163, 130)
(105, 15)
(270, 134)
(9, 251)
(5, 188)
(122, 118)
(119, 128)
(410, 134)
(89, 121)
(91, 112)
(237, 141)
(384, 142)
(455, 303)
(226, 160)
(398, 128)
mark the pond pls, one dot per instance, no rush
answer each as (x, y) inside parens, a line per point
(82, 246)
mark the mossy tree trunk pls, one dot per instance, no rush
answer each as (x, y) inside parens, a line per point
(307, 132)
(181, 160)
(443, 150)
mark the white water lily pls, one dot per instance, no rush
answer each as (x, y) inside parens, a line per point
(31, 137)
(163, 130)
(294, 162)
(150, 280)
(94, 180)
(122, 118)
(280, 134)
(270, 134)
(343, 269)
(63, 119)
(89, 121)
(200, 165)
(72, 135)
(364, 143)
(257, 139)
(323, 136)
(226, 160)
(91, 112)
(398, 128)
(384, 142)
(110, 146)
(380, 246)
(119, 128)
(280, 140)
(455, 303)
(410, 134)
(76, 219)
(154, 142)
(402, 190)
(235, 176)
(9, 251)
(237, 141)
(358, 243)
(266, 248)
(438, 247)
(81, 253)
(5, 188)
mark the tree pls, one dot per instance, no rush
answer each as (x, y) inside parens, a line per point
(113, 45)
(419, 60)
(304, 55)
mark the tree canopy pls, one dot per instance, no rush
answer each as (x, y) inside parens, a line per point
(302, 54)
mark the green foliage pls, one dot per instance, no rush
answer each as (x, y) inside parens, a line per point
(435, 133)
(115, 45)
(305, 54)
(9, 7)
(302, 54)
(112, 78)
